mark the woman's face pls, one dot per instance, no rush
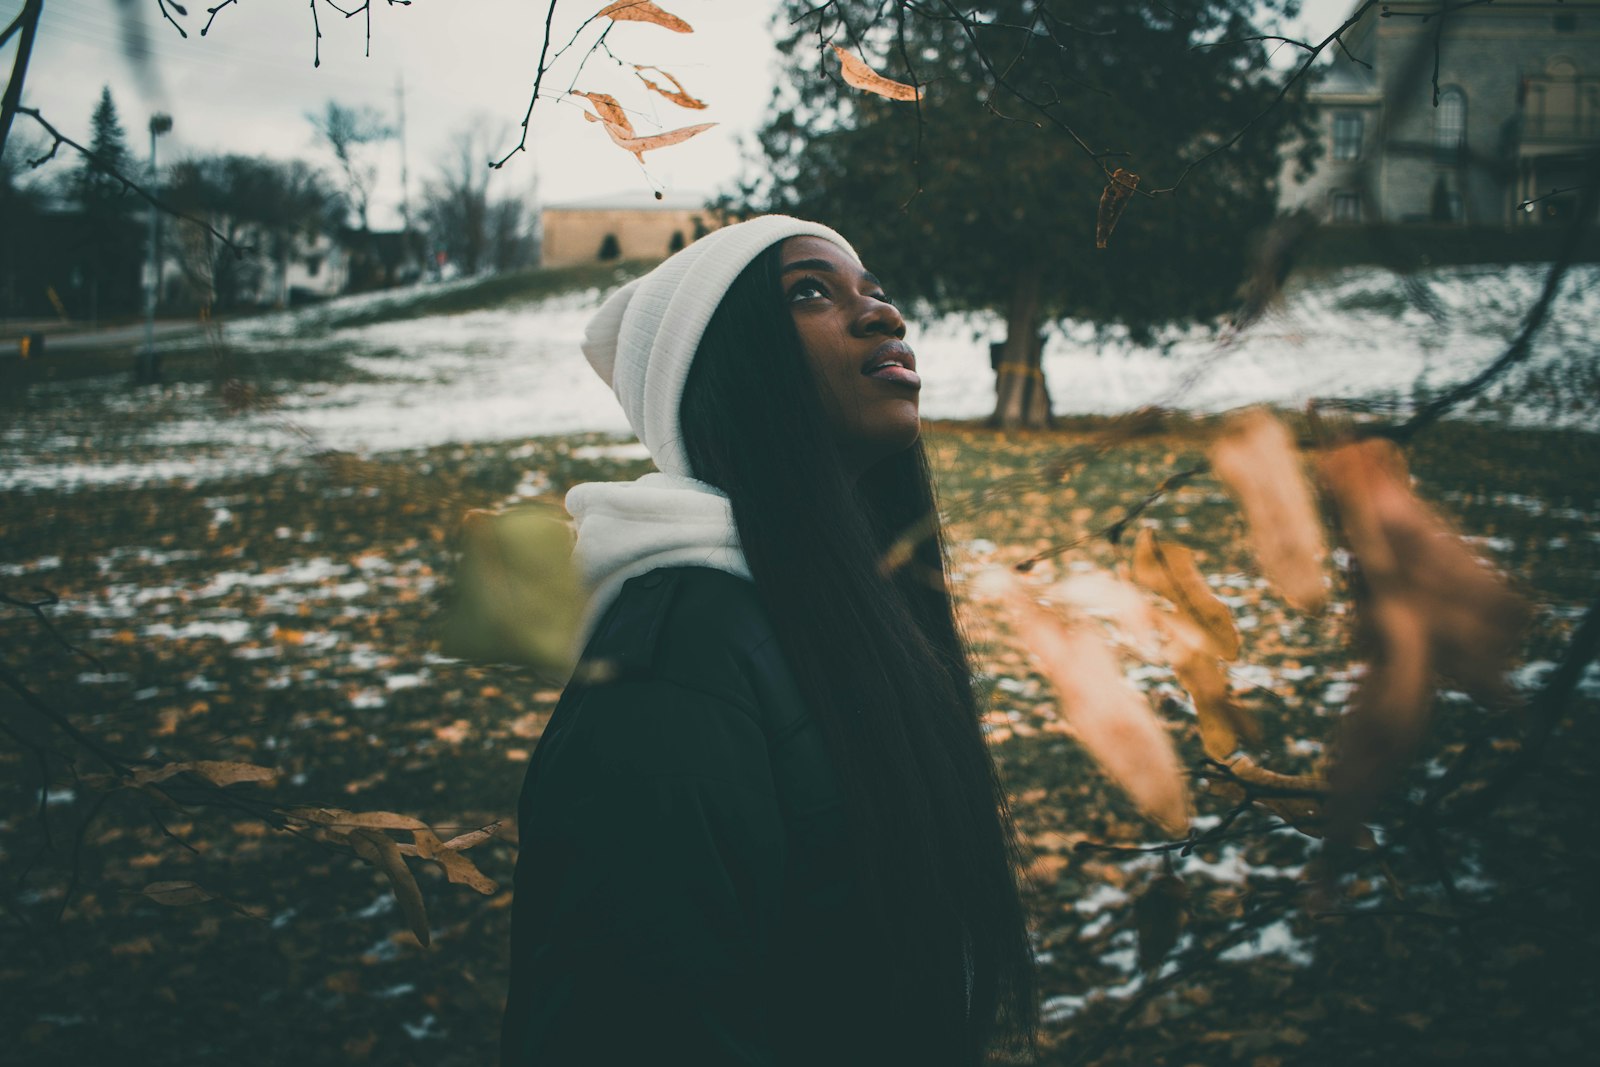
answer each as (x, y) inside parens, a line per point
(854, 338)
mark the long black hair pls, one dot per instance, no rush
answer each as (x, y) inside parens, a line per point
(882, 665)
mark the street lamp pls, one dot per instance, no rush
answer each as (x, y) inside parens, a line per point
(146, 370)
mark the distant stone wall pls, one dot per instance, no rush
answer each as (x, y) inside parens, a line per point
(591, 235)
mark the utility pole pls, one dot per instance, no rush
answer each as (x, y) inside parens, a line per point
(405, 194)
(146, 370)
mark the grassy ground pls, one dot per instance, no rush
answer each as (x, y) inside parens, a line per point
(285, 620)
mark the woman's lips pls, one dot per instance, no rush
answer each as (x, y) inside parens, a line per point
(900, 375)
(893, 361)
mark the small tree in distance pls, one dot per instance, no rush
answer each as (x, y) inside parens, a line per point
(349, 133)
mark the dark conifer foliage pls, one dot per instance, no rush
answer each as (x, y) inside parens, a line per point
(983, 197)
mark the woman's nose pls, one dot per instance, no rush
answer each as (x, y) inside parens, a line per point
(879, 316)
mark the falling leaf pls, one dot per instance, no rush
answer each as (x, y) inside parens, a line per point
(610, 111)
(177, 894)
(863, 77)
(217, 772)
(640, 145)
(1158, 914)
(1113, 199)
(1425, 604)
(676, 94)
(383, 853)
(1114, 723)
(643, 11)
(519, 599)
(1255, 458)
(1169, 571)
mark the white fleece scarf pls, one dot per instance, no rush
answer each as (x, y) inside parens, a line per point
(626, 529)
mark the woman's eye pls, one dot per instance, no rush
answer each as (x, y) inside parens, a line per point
(806, 289)
(884, 298)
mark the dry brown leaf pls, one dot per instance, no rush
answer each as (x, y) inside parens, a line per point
(1426, 603)
(177, 894)
(472, 838)
(217, 772)
(1223, 722)
(1256, 460)
(640, 145)
(1169, 571)
(383, 853)
(643, 11)
(1113, 199)
(676, 94)
(609, 110)
(858, 74)
(1102, 595)
(365, 820)
(1114, 723)
(1158, 914)
(457, 868)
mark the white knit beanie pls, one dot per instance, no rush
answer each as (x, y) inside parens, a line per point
(643, 338)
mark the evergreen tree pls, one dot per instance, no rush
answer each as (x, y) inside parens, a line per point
(974, 199)
(109, 242)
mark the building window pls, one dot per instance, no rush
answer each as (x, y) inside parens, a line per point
(676, 244)
(609, 248)
(1346, 207)
(1450, 125)
(1347, 135)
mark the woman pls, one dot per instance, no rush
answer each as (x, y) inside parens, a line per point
(762, 826)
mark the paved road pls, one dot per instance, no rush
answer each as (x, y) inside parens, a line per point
(61, 341)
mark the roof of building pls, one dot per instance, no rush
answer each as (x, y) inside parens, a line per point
(637, 199)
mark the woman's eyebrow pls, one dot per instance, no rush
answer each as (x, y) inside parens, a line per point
(824, 265)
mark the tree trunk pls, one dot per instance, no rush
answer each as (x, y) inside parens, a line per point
(1021, 398)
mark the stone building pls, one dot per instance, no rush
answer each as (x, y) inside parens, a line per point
(1518, 108)
(630, 225)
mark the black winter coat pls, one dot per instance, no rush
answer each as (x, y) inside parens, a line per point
(685, 891)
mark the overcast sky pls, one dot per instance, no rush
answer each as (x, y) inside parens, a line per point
(248, 85)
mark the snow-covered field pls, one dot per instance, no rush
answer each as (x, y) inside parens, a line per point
(516, 372)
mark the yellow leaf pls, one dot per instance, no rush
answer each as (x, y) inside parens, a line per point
(676, 94)
(863, 77)
(1256, 459)
(643, 11)
(382, 852)
(1169, 571)
(518, 596)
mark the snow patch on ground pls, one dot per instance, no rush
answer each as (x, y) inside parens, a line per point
(517, 372)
